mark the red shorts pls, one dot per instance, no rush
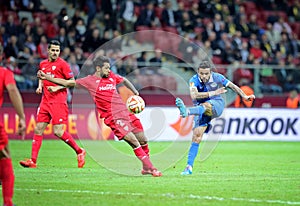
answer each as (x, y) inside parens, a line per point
(58, 112)
(122, 123)
(3, 137)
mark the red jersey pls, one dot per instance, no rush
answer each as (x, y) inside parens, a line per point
(57, 69)
(104, 93)
(6, 77)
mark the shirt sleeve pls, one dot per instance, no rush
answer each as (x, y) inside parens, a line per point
(67, 72)
(221, 79)
(9, 78)
(118, 78)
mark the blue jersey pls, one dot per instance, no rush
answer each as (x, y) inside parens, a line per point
(215, 82)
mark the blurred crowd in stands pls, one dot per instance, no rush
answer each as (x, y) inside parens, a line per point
(239, 32)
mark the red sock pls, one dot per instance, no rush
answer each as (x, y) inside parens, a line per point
(139, 152)
(36, 145)
(67, 138)
(7, 178)
(146, 149)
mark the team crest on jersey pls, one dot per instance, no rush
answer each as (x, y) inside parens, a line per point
(111, 79)
(53, 68)
(43, 68)
(97, 81)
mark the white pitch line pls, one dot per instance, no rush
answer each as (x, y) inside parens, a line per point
(168, 195)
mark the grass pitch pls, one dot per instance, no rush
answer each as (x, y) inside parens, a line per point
(236, 173)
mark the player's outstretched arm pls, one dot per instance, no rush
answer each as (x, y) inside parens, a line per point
(63, 82)
(130, 86)
(17, 102)
(240, 92)
(202, 95)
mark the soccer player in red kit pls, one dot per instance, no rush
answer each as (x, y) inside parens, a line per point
(7, 82)
(109, 104)
(53, 106)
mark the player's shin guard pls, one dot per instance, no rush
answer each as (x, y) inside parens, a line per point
(139, 152)
(7, 179)
(36, 145)
(146, 149)
(67, 138)
(199, 110)
(192, 153)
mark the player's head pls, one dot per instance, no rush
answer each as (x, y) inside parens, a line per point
(53, 50)
(102, 66)
(204, 71)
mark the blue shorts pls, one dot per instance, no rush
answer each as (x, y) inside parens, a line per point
(204, 120)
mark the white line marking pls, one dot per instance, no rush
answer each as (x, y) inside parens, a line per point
(168, 195)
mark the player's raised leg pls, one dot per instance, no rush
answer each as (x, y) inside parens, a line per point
(68, 139)
(184, 111)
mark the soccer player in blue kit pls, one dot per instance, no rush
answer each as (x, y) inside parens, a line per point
(206, 88)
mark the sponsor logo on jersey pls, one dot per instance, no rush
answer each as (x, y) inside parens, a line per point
(107, 87)
(53, 68)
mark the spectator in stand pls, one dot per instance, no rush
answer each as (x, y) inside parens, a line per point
(62, 17)
(42, 48)
(186, 23)
(273, 36)
(147, 16)
(195, 15)
(23, 24)
(12, 48)
(76, 17)
(127, 16)
(29, 71)
(156, 61)
(23, 36)
(284, 45)
(281, 25)
(294, 12)
(230, 26)
(109, 17)
(79, 56)
(92, 9)
(80, 31)
(293, 100)
(23, 56)
(92, 42)
(4, 37)
(245, 87)
(242, 26)
(252, 24)
(142, 60)
(12, 65)
(256, 50)
(10, 26)
(169, 17)
(52, 29)
(265, 44)
(62, 38)
(244, 52)
(71, 35)
(31, 45)
(73, 65)
(65, 54)
(295, 45)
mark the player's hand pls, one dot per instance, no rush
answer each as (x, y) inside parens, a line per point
(221, 90)
(249, 98)
(22, 128)
(53, 88)
(193, 92)
(41, 75)
(39, 90)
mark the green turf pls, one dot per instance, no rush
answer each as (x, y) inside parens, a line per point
(236, 173)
